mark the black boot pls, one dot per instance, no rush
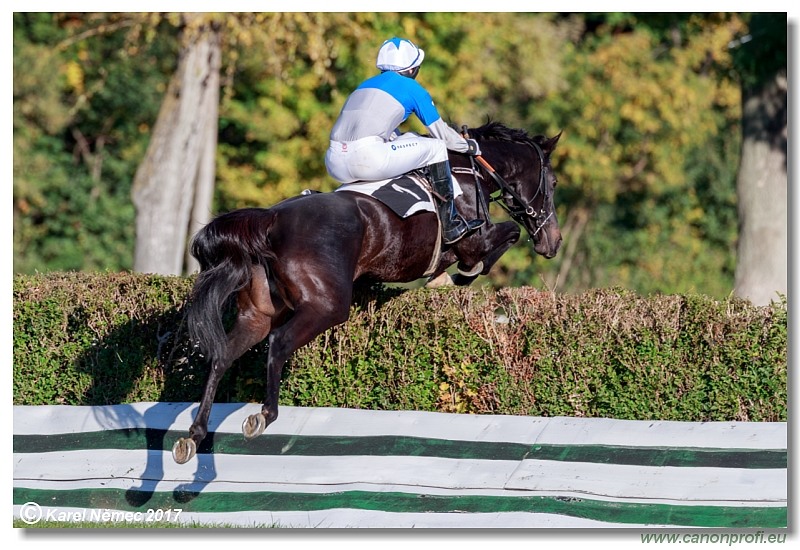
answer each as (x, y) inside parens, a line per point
(454, 226)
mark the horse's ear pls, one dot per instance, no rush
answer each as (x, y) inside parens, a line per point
(550, 145)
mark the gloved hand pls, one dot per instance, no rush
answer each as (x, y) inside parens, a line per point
(473, 150)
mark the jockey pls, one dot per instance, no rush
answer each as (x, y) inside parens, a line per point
(367, 146)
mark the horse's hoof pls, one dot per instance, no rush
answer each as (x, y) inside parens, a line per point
(442, 280)
(254, 425)
(183, 450)
(474, 272)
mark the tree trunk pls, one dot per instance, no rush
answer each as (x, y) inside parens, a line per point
(178, 169)
(204, 190)
(762, 263)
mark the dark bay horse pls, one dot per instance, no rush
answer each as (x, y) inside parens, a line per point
(293, 266)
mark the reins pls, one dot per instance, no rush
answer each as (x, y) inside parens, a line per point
(504, 189)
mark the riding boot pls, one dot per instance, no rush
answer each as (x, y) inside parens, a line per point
(454, 226)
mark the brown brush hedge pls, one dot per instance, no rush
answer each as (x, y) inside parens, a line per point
(106, 338)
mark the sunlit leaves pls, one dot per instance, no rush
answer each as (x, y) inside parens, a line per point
(649, 106)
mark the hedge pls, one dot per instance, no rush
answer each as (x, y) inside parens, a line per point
(108, 338)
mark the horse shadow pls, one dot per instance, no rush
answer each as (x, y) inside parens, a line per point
(159, 347)
(157, 419)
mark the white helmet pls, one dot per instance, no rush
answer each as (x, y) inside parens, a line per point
(399, 54)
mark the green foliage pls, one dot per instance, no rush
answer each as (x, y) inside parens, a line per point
(96, 339)
(649, 105)
(649, 156)
(82, 109)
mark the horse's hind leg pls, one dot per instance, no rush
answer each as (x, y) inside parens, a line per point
(254, 320)
(309, 320)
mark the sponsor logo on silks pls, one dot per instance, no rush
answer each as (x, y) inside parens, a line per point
(344, 147)
(395, 146)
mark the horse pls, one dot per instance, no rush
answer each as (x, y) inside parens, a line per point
(292, 267)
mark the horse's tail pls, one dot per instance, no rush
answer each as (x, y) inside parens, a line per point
(227, 249)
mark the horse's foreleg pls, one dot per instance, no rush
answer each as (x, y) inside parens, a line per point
(255, 314)
(440, 277)
(478, 260)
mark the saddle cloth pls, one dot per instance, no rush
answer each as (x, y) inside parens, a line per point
(405, 195)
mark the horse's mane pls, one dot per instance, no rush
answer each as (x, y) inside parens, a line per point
(500, 132)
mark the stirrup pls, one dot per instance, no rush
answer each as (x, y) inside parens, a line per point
(458, 228)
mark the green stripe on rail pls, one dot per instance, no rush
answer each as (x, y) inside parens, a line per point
(397, 502)
(290, 445)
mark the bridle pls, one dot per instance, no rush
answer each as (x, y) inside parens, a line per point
(520, 209)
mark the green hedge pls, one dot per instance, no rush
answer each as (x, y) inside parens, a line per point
(105, 338)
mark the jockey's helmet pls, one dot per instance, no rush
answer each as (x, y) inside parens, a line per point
(399, 55)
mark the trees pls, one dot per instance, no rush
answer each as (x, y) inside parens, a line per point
(649, 138)
(174, 183)
(762, 184)
(649, 104)
(86, 89)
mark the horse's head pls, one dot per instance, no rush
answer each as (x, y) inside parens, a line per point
(536, 190)
(527, 185)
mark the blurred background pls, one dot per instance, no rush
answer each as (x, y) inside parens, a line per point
(131, 129)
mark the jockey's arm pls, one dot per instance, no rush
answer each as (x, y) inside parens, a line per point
(453, 140)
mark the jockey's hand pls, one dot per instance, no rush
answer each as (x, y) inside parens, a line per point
(473, 150)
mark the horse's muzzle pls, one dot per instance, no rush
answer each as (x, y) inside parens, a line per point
(548, 244)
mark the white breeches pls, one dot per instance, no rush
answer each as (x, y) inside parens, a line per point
(372, 159)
